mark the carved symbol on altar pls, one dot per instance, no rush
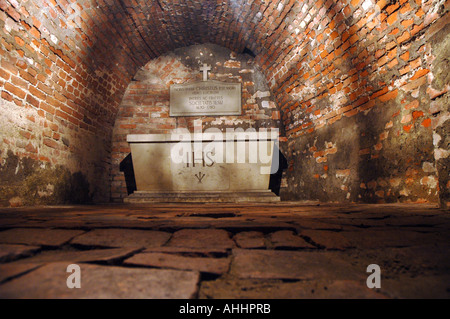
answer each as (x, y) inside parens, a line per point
(200, 176)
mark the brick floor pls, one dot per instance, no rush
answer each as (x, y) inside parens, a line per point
(284, 250)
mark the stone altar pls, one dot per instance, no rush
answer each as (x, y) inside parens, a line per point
(204, 167)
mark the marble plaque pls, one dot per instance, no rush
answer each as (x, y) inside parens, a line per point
(205, 98)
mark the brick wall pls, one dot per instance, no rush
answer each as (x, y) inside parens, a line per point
(145, 105)
(57, 106)
(356, 84)
(361, 86)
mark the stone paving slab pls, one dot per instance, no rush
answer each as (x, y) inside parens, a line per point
(394, 237)
(203, 264)
(327, 239)
(276, 289)
(37, 236)
(122, 238)
(407, 287)
(250, 239)
(252, 224)
(300, 265)
(95, 255)
(201, 238)
(314, 224)
(287, 239)
(11, 222)
(415, 261)
(187, 250)
(10, 252)
(11, 270)
(105, 282)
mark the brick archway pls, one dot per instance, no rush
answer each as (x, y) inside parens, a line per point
(66, 64)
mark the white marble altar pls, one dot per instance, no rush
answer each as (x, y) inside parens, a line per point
(203, 167)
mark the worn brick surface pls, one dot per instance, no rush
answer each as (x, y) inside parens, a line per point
(201, 238)
(289, 265)
(122, 238)
(201, 264)
(8, 271)
(94, 255)
(47, 237)
(287, 239)
(250, 289)
(11, 252)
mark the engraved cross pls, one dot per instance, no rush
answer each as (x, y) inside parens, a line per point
(205, 68)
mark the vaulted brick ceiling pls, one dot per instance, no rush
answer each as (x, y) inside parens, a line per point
(105, 42)
(131, 32)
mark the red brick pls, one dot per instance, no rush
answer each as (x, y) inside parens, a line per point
(405, 36)
(128, 126)
(35, 32)
(392, 63)
(415, 63)
(405, 56)
(417, 114)
(392, 18)
(364, 151)
(32, 100)
(380, 92)
(414, 104)
(389, 96)
(6, 96)
(419, 74)
(5, 75)
(426, 123)
(14, 90)
(37, 93)
(28, 77)
(50, 143)
(407, 128)
(407, 23)
(48, 108)
(318, 154)
(19, 41)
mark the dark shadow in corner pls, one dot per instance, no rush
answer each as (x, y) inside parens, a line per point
(275, 179)
(126, 166)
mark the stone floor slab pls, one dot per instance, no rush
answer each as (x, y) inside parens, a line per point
(304, 265)
(95, 255)
(10, 270)
(276, 289)
(394, 237)
(37, 236)
(11, 252)
(122, 238)
(286, 239)
(206, 251)
(410, 243)
(105, 282)
(201, 238)
(407, 287)
(207, 265)
(250, 240)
